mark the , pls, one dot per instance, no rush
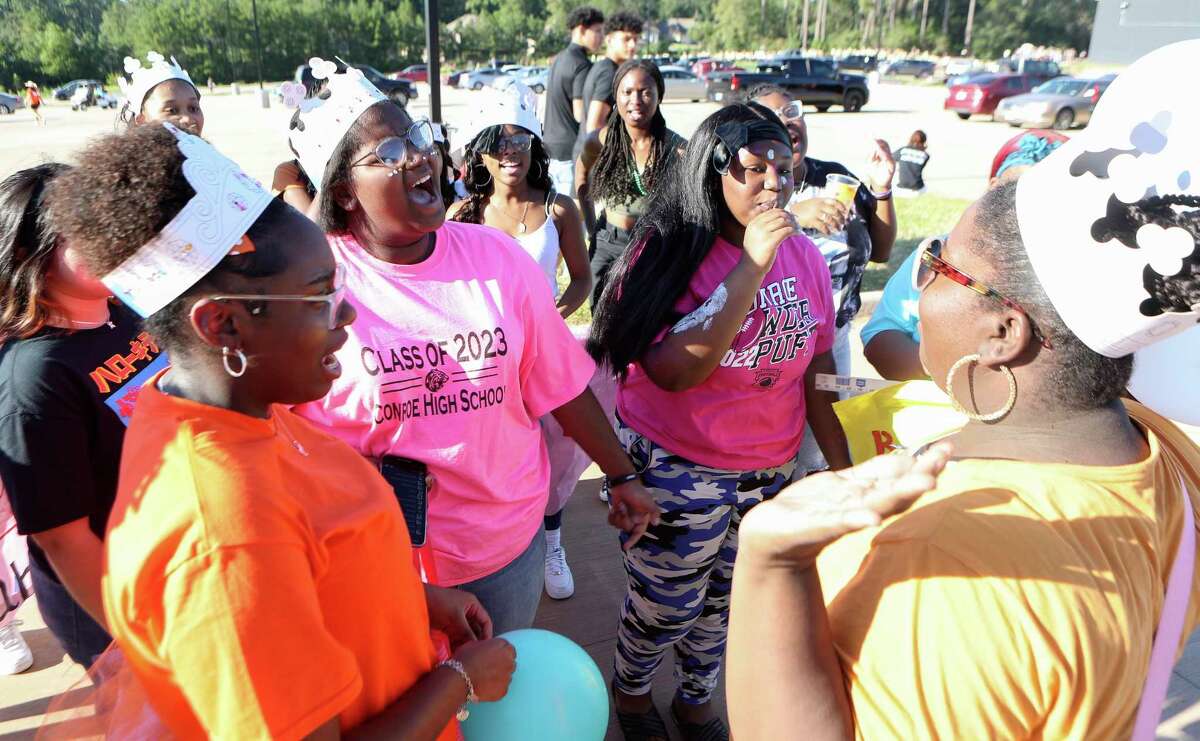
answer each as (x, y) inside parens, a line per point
(705, 67)
(91, 94)
(1039, 69)
(413, 73)
(859, 62)
(10, 103)
(480, 78)
(985, 93)
(1060, 103)
(682, 84)
(401, 91)
(532, 77)
(919, 68)
(66, 91)
(814, 80)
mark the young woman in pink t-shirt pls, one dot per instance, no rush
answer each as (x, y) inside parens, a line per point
(457, 351)
(718, 319)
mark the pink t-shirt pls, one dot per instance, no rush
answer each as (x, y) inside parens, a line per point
(451, 362)
(749, 414)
